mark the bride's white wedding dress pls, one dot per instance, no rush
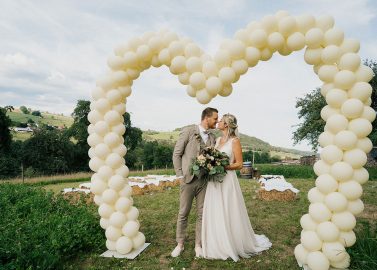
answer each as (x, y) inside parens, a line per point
(226, 228)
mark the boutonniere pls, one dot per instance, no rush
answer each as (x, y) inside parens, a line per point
(197, 136)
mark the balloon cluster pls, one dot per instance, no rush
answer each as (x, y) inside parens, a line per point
(327, 229)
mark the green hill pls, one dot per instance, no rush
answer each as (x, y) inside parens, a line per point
(247, 142)
(168, 137)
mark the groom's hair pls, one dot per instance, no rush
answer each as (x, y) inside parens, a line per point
(207, 112)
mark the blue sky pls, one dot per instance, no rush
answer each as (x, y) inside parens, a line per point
(51, 53)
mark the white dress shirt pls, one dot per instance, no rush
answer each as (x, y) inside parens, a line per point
(203, 133)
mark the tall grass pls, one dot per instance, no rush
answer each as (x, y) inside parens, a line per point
(364, 252)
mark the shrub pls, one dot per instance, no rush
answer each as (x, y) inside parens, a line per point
(41, 231)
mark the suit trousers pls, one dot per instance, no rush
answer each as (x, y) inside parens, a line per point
(188, 191)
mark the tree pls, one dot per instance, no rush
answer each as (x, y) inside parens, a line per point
(310, 107)
(24, 110)
(49, 152)
(37, 113)
(5, 123)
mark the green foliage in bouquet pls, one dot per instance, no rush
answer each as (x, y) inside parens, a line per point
(210, 164)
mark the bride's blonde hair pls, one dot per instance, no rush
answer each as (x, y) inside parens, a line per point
(231, 121)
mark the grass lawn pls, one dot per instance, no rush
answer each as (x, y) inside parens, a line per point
(278, 220)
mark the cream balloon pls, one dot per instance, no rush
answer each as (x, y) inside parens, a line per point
(326, 73)
(315, 196)
(330, 54)
(328, 231)
(364, 74)
(307, 223)
(296, 41)
(355, 157)
(311, 241)
(368, 114)
(336, 97)
(131, 228)
(345, 140)
(365, 145)
(275, 41)
(138, 241)
(336, 202)
(334, 251)
(355, 207)
(342, 171)
(326, 183)
(314, 37)
(301, 254)
(361, 127)
(345, 221)
(345, 79)
(334, 36)
(111, 245)
(352, 190)
(319, 212)
(347, 238)
(124, 245)
(318, 261)
(320, 167)
(361, 175)
(105, 210)
(326, 138)
(109, 196)
(312, 56)
(331, 154)
(117, 219)
(252, 56)
(123, 204)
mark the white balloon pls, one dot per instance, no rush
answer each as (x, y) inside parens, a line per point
(214, 85)
(350, 45)
(104, 223)
(296, 41)
(320, 167)
(356, 207)
(342, 171)
(314, 37)
(349, 61)
(364, 73)
(117, 219)
(138, 241)
(325, 22)
(124, 245)
(369, 114)
(252, 56)
(319, 212)
(203, 96)
(344, 220)
(330, 54)
(114, 160)
(98, 186)
(331, 154)
(312, 56)
(197, 80)
(355, 157)
(317, 261)
(116, 182)
(361, 127)
(258, 38)
(112, 139)
(326, 87)
(344, 79)
(109, 196)
(275, 41)
(334, 36)
(347, 238)
(111, 245)
(345, 140)
(240, 66)
(113, 118)
(105, 210)
(178, 65)
(164, 57)
(301, 254)
(336, 202)
(105, 172)
(194, 64)
(326, 73)
(326, 183)
(133, 213)
(334, 251)
(328, 111)
(352, 190)
(210, 69)
(287, 25)
(336, 97)
(184, 78)
(328, 231)
(336, 123)
(326, 138)
(365, 145)
(314, 195)
(227, 75)
(131, 228)
(94, 116)
(311, 241)
(265, 54)
(307, 223)
(237, 49)
(361, 175)
(96, 163)
(123, 204)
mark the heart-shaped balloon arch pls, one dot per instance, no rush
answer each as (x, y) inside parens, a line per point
(334, 202)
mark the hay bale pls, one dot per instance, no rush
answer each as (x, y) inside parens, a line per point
(274, 195)
(136, 190)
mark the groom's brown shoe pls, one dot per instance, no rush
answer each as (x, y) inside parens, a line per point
(177, 251)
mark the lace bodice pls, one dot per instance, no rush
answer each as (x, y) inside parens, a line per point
(226, 148)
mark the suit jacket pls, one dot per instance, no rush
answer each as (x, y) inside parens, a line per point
(187, 148)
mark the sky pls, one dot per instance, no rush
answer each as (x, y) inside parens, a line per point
(52, 52)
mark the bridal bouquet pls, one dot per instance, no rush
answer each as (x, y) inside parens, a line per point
(210, 164)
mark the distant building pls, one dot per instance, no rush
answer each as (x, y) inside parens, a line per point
(308, 160)
(19, 129)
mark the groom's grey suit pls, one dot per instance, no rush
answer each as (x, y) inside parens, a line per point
(186, 150)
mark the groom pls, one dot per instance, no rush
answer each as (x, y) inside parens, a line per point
(190, 142)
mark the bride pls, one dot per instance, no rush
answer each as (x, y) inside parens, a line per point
(226, 228)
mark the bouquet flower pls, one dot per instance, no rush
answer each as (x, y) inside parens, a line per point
(210, 164)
